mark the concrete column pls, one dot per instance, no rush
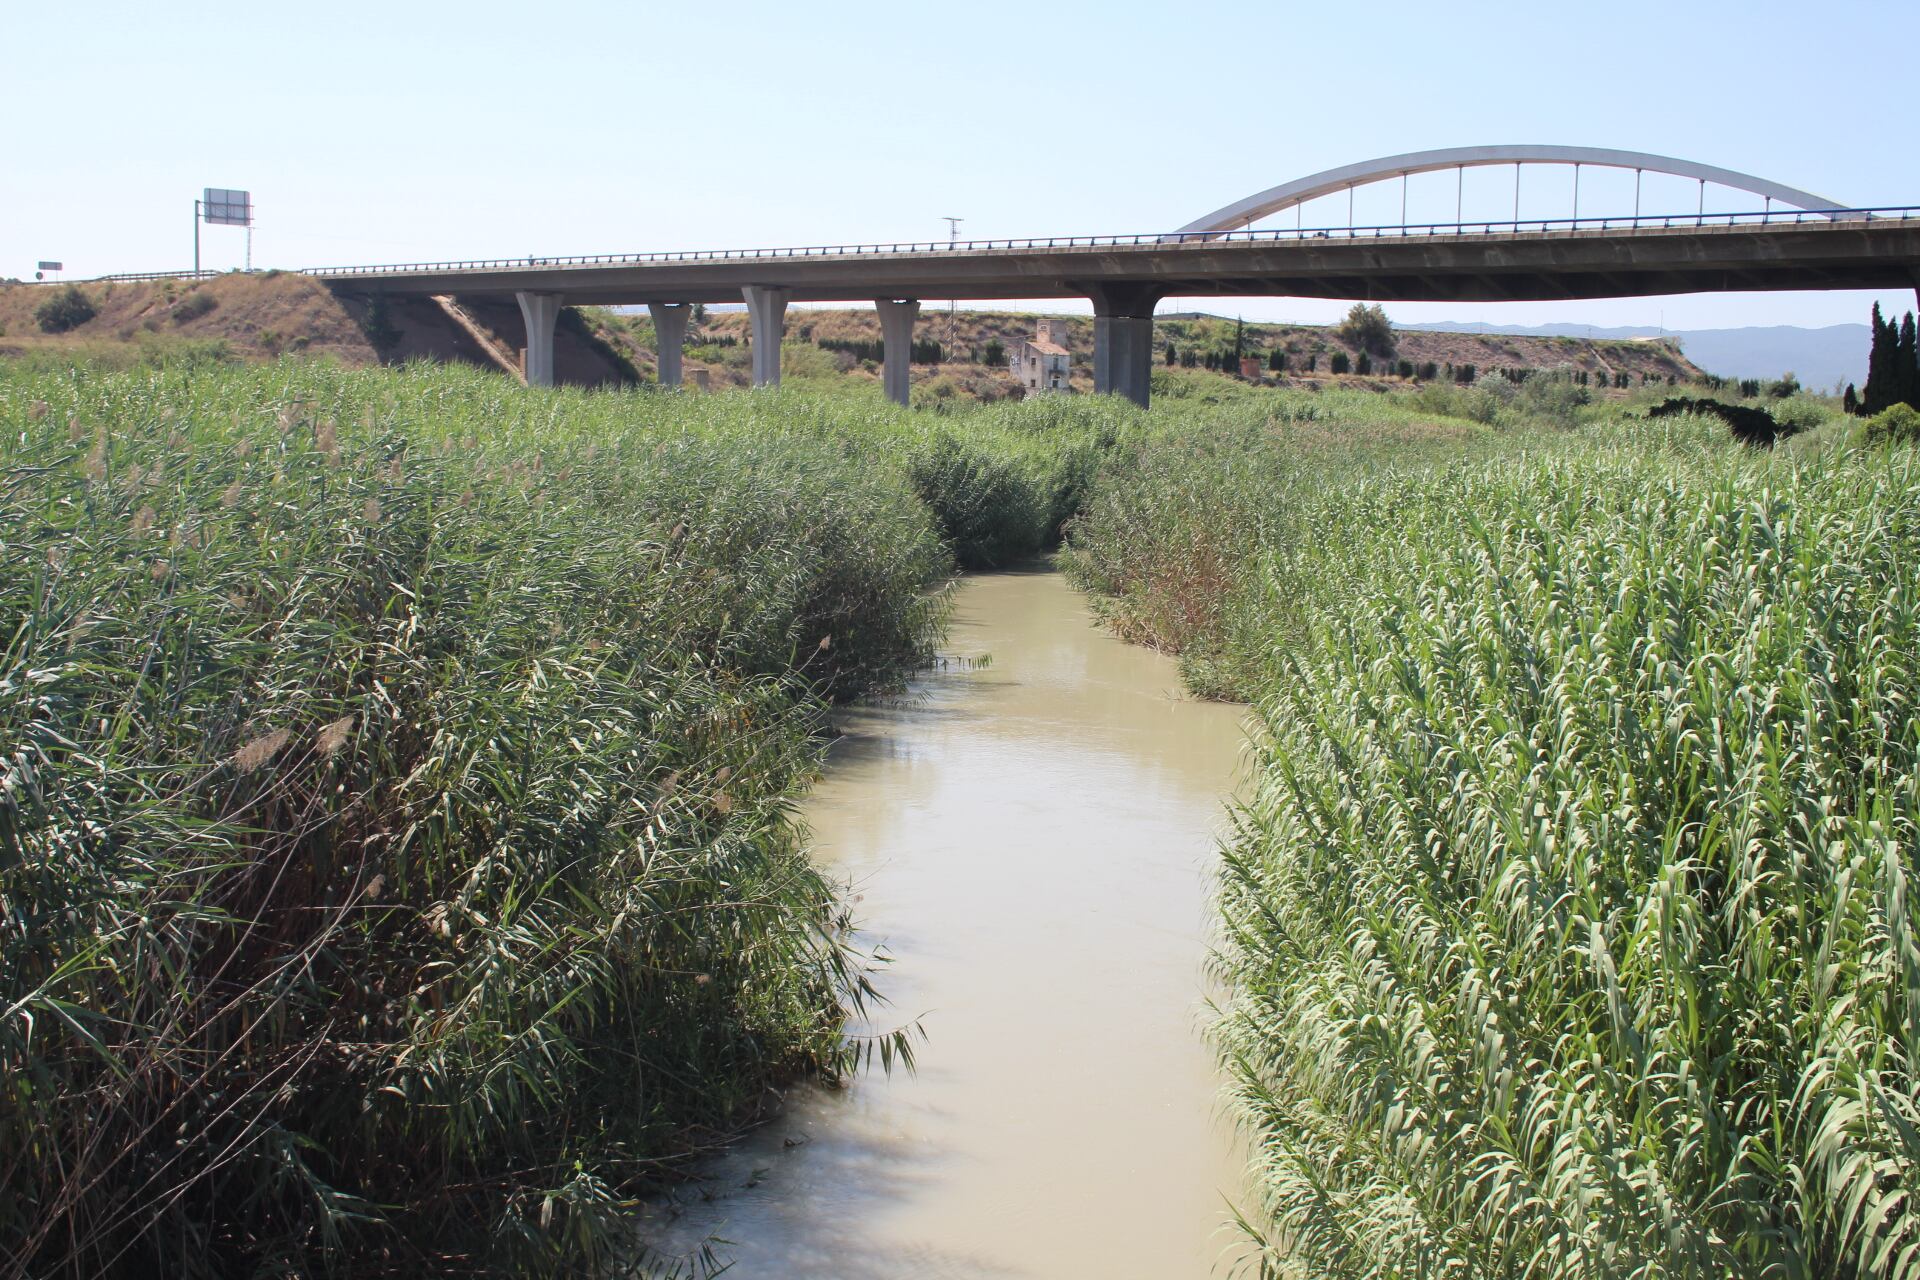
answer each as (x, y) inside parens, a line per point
(539, 310)
(767, 312)
(1123, 340)
(670, 331)
(896, 330)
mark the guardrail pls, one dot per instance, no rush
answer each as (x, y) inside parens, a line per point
(935, 248)
(163, 275)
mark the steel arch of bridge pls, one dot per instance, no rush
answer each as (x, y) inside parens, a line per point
(1289, 194)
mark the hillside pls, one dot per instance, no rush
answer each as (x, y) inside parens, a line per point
(971, 335)
(255, 317)
(1821, 358)
(262, 316)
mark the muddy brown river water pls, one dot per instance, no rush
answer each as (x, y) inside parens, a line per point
(1032, 841)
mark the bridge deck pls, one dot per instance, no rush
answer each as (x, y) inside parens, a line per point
(1502, 262)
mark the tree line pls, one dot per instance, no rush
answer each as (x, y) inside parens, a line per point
(1893, 368)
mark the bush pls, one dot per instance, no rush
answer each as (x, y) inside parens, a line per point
(1899, 424)
(1749, 425)
(1800, 413)
(988, 510)
(1339, 362)
(193, 306)
(378, 326)
(68, 308)
(1367, 329)
(1554, 398)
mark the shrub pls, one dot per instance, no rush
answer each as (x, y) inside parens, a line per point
(378, 326)
(68, 308)
(1749, 425)
(1800, 413)
(1899, 424)
(1339, 362)
(989, 512)
(1552, 397)
(1367, 329)
(193, 306)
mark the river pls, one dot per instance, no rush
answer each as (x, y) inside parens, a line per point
(1032, 840)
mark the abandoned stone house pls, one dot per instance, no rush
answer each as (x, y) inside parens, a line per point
(1041, 362)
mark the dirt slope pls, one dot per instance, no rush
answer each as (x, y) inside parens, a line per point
(256, 316)
(261, 316)
(269, 314)
(973, 330)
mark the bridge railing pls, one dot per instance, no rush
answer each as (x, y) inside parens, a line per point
(934, 248)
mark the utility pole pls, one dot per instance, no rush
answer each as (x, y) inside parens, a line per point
(953, 241)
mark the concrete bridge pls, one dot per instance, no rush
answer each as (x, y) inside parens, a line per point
(1810, 243)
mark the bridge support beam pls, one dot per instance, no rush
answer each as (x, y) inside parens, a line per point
(670, 338)
(767, 313)
(896, 331)
(539, 310)
(1123, 340)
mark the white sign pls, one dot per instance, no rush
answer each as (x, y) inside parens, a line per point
(228, 207)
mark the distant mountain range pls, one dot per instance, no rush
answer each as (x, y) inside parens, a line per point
(1821, 358)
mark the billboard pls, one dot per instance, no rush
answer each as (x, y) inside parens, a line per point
(227, 207)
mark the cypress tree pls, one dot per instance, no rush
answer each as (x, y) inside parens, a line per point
(1906, 387)
(1875, 396)
(1851, 400)
(1173, 355)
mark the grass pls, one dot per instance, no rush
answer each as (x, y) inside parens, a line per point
(396, 843)
(1569, 929)
(400, 875)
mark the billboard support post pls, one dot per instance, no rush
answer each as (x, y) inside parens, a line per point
(225, 207)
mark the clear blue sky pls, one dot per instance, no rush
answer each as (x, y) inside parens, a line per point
(406, 130)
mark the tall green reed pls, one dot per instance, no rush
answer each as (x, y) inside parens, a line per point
(396, 844)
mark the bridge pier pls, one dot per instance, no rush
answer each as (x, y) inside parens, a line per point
(539, 311)
(1123, 340)
(767, 313)
(896, 331)
(670, 338)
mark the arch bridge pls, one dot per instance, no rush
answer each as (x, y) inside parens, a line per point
(1794, 240)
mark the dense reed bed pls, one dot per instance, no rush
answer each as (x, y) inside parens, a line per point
(1569, 929)
(398, 874)
(396, 864)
